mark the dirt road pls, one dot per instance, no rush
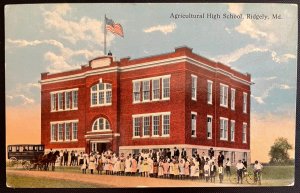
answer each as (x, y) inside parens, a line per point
(118, 181)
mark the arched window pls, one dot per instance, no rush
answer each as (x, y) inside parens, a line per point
(101, 124)
(101, 94)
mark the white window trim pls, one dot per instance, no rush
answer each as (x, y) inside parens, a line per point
(244, 123)
(159, 116)
(105, 90)
(232, 104)
(55, 132)
(133, 97)
(162, 133)
(146, 100)
(194, 113)
(152, 98)
(133, 130)
(145, 136)
(60, 140)
(59, 107)
(64, 101)
(245, 96)
(223, 138)
(65, 137)
(67, 101)
(232, 139)
(72, 123)
(210, 116)
(194, 77)
(210, 101)
(162, 89)
(224, 105)
(73, 107)
(98, 127)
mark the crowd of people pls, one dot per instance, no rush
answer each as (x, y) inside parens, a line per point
(163, 163)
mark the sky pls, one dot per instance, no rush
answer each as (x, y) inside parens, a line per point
(59, 37)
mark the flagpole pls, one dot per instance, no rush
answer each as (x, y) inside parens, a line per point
(105, 34)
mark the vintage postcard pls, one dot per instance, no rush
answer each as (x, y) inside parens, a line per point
(150, 95)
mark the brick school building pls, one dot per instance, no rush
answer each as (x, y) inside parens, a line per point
(178, 99)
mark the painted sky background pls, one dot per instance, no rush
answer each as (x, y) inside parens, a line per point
(59, 37)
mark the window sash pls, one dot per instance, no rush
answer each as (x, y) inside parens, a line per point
(53, 102)
(232, 99)
(101, 94)
(209, 127)
(223, 129)
(53, 132)
(209, 92)
(156, 89)
(193, 125)
(166, 124)
(136, 124)
(60, 101)
(136, 91)
(244, 133)
(146, 126)
(146, 90)
(67, 100)
(75, 131)
(194, 88)
(155, 125)
(75, 99)
(60, 132)
(67, 131)
(244, 102)
(232, 130)
(166, 88)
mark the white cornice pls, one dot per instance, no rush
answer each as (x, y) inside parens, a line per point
(143, 66)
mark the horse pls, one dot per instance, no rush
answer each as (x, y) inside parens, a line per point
(52, 159)
(46, 160)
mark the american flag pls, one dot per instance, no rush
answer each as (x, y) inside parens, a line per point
(114, 27)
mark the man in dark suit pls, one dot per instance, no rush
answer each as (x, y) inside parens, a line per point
(66, 156)
(183, 153)
(176, 152)
(211, 153)
(220, 159)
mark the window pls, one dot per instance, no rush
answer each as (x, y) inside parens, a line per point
(194, 87)
(151, 89)
(232, 101)
(166, 125)
(101, 124)
(244, 132)
(75, 99)
(60, 132)
(53, 132)
(232, 130)
(155, 125)
(209, 127)
(136, 125)
(223, 95)
(53, 102)
(75, 131)
(244, 102)
(232, 157)
(209, 92)
(223, 128)
(155, 89)
(67, 100)
(146, 90)
(101, 94)
(146, 126)
(193, 123)
(67, 131)
(136, 91)
(60, 101)
(166, 88)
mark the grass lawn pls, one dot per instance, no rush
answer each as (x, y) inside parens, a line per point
(16, 181)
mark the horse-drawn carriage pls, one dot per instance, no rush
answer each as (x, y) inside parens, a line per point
(31, 156)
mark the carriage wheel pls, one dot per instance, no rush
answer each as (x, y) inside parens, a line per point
(13, 162)
(26, 165)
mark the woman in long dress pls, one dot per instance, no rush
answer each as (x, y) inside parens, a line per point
(146, 167)
(176, 170)
(181, 169)
(133, 166)
(155, 168)
(84, 165)
(117, 167)
(92, 166)
(160, 169)
(166, 167)
(127, 166)
(186, 168)
(100, 166)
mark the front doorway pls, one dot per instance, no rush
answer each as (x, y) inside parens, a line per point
(98, 147)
